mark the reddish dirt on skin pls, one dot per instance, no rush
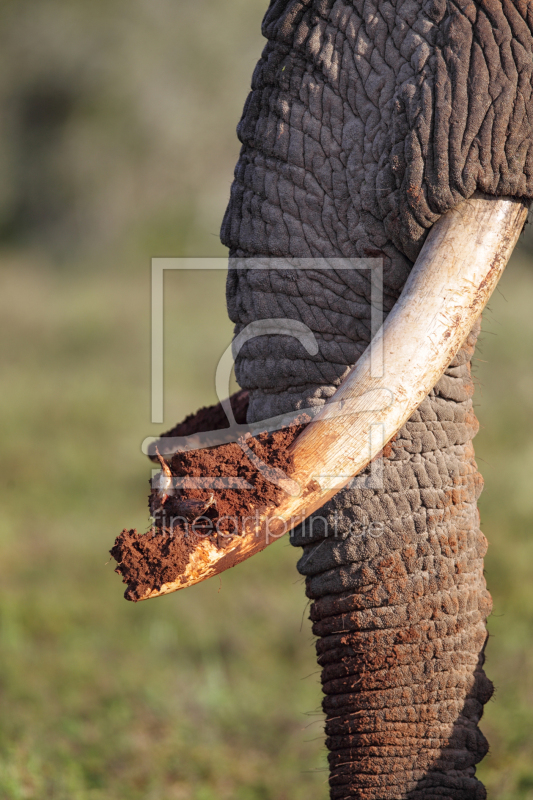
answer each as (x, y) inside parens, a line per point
(147, 561)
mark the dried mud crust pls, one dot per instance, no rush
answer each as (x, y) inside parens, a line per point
(147, 561)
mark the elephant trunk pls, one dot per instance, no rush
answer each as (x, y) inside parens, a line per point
(399, 609)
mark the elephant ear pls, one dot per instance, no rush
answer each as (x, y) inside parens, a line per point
(460, 118)
(454, 276)
(445, 104)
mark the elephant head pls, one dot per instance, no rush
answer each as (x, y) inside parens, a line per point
(366, 122)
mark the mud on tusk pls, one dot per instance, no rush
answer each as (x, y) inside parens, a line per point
(458, 267)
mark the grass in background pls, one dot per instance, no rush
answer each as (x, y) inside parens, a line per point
(504, 449)
(202, 695)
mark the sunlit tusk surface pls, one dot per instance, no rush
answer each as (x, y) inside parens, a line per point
(458, 267)
(455, 274)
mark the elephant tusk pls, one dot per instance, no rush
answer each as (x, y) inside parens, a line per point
(461, 262)
(459, 266)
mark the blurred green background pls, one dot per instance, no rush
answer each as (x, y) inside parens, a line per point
(117, 144)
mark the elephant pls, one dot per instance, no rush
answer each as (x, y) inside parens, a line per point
(367, 121)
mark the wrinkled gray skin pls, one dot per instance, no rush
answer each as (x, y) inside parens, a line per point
(367, 120)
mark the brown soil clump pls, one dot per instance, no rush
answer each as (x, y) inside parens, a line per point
(187, 513)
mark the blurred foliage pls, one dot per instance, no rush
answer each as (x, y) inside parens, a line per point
(120, 115)
(118, 144)
(504, 449)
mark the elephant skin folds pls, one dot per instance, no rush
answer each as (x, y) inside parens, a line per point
(400, 612)
(367, 121)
